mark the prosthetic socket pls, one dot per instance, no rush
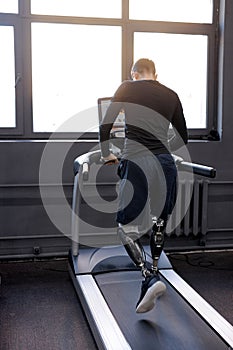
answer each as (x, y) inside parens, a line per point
(135, 249)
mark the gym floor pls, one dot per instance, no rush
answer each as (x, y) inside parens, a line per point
(211, 274)
(40, 309)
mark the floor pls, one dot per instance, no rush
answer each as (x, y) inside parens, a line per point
(39, 309)
(211, 274)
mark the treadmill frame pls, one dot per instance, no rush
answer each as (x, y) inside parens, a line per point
(105, 328)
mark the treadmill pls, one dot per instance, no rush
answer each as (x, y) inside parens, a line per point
(108, 284)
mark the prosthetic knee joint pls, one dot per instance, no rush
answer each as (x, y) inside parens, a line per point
(156, 242)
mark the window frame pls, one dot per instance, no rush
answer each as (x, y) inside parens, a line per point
(11, 21)
(193, 29)
(23, 62)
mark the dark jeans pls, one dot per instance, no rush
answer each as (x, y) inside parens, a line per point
(147, 186)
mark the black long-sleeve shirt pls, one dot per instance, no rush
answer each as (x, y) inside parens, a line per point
(149, 109)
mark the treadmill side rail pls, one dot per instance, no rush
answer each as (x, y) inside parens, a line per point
(218, 323)
(109, 331)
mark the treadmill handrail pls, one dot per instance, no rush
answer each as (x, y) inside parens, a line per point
(198, 169)
(95, 157)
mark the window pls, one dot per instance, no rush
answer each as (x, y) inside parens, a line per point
(184, 71)
(7, 81)
(192, 11)
(72, 65)
(9, 6)
(59, 57)
(79, 8)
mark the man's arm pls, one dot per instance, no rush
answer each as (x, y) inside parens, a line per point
(180, 129)
(105, 128)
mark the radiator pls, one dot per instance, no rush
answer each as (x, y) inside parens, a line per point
(189, 216)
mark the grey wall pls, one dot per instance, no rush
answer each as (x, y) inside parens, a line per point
(25, 228)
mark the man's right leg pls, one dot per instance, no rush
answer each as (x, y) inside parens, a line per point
(132, 213)
(166, 194)
(133, 195)
(156, 241)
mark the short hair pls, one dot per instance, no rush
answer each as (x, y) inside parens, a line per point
(144, 65)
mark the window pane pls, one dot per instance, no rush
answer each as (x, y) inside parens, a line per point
(80, 8)
(181, 63)
(193, 11)
(10, 6)
(7, 74)
(72, 66)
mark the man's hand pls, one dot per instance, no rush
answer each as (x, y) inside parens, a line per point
(110, 159)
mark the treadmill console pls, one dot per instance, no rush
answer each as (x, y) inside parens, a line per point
(118, 129)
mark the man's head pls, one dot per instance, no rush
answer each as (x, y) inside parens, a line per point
(143, 69)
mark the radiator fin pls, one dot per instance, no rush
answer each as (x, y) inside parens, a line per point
(194, 222)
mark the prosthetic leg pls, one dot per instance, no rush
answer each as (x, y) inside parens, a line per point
(152, 288)
(134, 249)
(156, 242)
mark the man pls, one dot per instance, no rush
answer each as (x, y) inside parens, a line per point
(147, 170)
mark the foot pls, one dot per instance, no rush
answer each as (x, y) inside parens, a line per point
(152, 288)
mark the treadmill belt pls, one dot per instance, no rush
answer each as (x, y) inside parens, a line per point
(171, 325)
